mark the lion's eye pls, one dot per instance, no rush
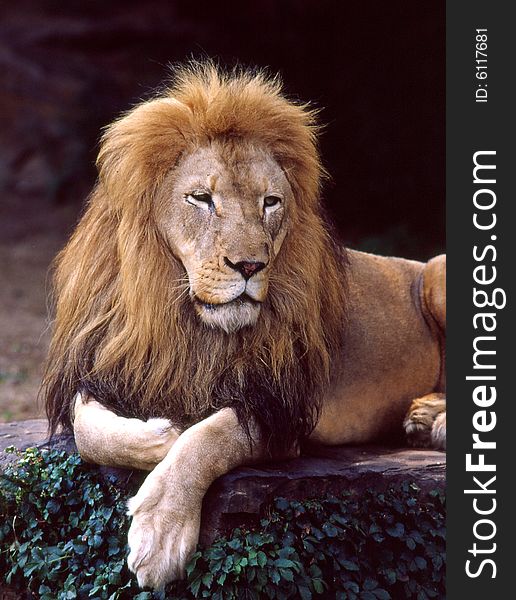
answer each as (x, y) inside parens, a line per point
(202, 199)
(269, 201)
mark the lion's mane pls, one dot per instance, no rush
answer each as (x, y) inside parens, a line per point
(124, 332)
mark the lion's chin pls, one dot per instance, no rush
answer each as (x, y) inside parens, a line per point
(230, 316)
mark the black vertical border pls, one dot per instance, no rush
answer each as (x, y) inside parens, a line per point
(473, 126)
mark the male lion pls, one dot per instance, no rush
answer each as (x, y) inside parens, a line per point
(207, 319)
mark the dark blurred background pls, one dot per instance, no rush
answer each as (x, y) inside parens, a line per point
(68, 68)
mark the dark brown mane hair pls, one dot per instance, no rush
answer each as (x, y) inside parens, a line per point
(123, 332)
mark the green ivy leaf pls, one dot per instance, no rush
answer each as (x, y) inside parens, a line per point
(261, 558)
(330, 530)
(390, 575)
(284, 562)
(304, 592)
(287, 574)
(397, 531)
(281, 504)
(235, 544)
(195, 585)
(370, 584)
(349, 565)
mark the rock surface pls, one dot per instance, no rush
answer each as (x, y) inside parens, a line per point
(21, 435)
(239, 497)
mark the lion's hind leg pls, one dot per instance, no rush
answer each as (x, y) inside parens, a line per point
(425, 423)
(104, 438)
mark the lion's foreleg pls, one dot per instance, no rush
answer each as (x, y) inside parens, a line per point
(104, 438)
(166, 510)
(425, 423)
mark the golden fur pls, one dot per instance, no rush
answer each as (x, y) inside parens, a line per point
(126, 333)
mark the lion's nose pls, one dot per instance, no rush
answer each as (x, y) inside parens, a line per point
(247, 268)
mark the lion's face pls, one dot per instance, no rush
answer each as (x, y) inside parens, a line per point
(225, 215)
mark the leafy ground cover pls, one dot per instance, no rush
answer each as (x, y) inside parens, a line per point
(63, 530)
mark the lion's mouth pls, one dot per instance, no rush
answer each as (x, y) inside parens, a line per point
(231, 316)
(242, 300)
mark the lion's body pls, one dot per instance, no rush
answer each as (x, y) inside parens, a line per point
(393, 350)
(203, 293)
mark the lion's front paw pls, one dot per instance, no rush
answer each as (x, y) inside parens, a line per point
(425, 423)
(163, 533)
(418, 429)
(439, 432)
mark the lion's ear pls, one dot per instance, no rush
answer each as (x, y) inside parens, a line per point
(138, 150)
